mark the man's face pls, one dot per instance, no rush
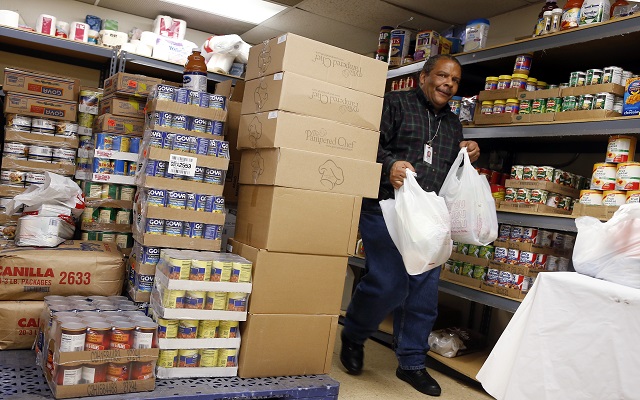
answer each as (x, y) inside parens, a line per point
(442, 83)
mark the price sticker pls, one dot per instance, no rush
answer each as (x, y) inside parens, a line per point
(181, 165)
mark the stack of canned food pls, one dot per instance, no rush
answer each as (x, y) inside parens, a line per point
(189, 144)
(198, 358)
(616, 181)
(159, 169)
(142, 258)
(541, 196)
(204, 266)
(180, 200)
(39, 153)
(41, 126)
(466, 268)
(97, 323)
(88, 101)
(177, 228)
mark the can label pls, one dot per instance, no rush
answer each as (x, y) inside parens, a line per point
(213, 147)
(173, 228)
(149, 255)
(501, 254)
(540, 262)
(156, 168)
(176, 199)
(203, 203)
(492, 276)
(544, 174)
(523, 195)
(154, 226)
(157, 197)
(144, 283)
(198, 124)
(156, 139)
(539, 196)
(527, 259)
(604, 177)
(119, 167)
(479, 272)
(223, 149)
(529, 235)
(217, 101)
(525, 107)
(504, 233)
(212, 232)
(179, 121)
(510, 194)
(529, 172)
(591, 197)
(102, 166)
(181, 95)
(213, 176)
(184, 143)
(215, 127)
(621, 149)
(217, 204)
(164, 92)
(193, 230)
(163, 119)
(517, 172)
(504, 278)
(513, 256)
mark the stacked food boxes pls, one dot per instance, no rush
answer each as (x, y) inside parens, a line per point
(309, 134)
(96, 345)
(198, 299)
(40, 133)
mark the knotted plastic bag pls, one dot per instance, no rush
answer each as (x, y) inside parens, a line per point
(418, 223)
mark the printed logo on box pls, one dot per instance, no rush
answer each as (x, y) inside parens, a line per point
(330, 174)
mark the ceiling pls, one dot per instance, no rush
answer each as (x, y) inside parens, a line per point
(351, 24)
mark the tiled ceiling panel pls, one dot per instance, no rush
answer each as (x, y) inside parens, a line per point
(461, 11)
(325, 30)
(260, 34)
(369, 14)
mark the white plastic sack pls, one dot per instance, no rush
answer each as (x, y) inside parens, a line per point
(418, 223)
(610, 250)
(56, 191)
(470, 204)
(231, 45)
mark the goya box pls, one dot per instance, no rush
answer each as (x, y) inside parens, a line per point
(137, 85)
(41, 84)
(38, 106)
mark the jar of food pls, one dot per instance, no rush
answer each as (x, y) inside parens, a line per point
(531, 84)
(491, 83)
(525, 107)
(523, 64)
(518, 81)
(487, 107)
(504, 81)
(512, 106)
(541, 85)
(498, 106)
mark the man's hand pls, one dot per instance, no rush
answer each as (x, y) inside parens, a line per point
(472, 148)
(398, 173)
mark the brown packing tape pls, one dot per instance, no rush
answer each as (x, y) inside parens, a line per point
(184, 215)
(93, 202)
(39, 167)
(11, 135)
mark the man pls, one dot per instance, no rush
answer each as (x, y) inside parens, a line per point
(419, 132)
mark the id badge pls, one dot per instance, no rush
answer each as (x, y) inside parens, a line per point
(428, 154)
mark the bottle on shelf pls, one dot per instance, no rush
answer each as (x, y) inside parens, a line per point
(571, 14)
(622, 7)
(540, 26)
(194, 76)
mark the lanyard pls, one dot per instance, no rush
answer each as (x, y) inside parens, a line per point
(431, 139)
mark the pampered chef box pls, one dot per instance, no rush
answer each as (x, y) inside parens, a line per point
(297, 221)
(315, 282)
(307, 170)
(41, 84)
(317, 60)
(19, 321)
(288, 91)
(295, 131)
(38, 106)
(73, 268)
(269, 340)
(129, 84)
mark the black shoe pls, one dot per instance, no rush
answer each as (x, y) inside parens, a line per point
(420, 380)
(351, 355)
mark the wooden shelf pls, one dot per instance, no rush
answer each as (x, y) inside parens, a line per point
(468, 364)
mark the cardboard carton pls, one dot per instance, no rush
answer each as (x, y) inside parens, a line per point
(41, 84)
(11, 135)
(270, 340)
(315, 282)
(297, 221)
(317, 60)
(500, 94)
(73, 268)
(306, 170)
(19, 321)
(296, 93)
(584, 115)
(231, 183)
(187, 109)
(38, 106)
(129, 84)
(36, 166)
(614, 88)
(295, 131)
(119, 124)
(123, 106)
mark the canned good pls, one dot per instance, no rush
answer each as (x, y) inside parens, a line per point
(194, 230)
(569, 103)
(215, 127)
(504, 278)
(85, 120)
(173, 298)
(181, 95)
(525, 107)
(473, 250)
(34, 178)
(554, 104)
(208, 357)
(106, 215)
(516, 233)
(492, 276)
(187, 328)
(467, 269)
(228, 329)
(501, 254)
(633, 196)
(614, 198)
(591, 197)
(604, 101)
(215, 300)
(527, 259)
(176, 199)
(104, 141)
(119, 167)
(154, 226)
(109, 191)
(173, 228)
(565, 203)
(577, 78)
(163, 92)
(40, 153)
(13, 177)
(588, 101)
(539, 106)
(479, 272)
(529, 172)
(208, 329)
(594, 76)
(563, 264)
(156, 168)
(213, 176)
(612, 75)
(227, 358)
(552, 263)
(604, 176)
(456, 267)
(168, 358)
(539, 196)
(121, 143)
(179, 121)
(123, 217)
(212, 232)
(102, 166)
(504, 232)
(127, 193)
(217, 101)
(621, 149)
(523, 195)
(184, 143)
(43, 125)
(510, 194)
(15, 150)
(64, 156)
(188, 358)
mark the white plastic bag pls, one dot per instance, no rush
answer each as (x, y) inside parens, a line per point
(418, 223)
(470, 204)
(57, 190)
(610, 250)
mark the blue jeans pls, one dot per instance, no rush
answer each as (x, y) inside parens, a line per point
(385, 288)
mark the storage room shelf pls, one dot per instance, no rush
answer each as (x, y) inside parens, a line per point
(468, 364)
(554, 46)
(54, 48)
(602, 129)
(138, 64)
(472, 294)
(21, 379)
(557, 222)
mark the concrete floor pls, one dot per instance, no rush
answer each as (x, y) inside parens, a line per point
(378, 379)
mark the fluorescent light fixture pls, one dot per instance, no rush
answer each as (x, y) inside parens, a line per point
(251, 11)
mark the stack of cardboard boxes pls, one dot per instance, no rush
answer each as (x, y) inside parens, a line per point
(309, 135)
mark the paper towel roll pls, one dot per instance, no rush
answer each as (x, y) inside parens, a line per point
(46, 24)
(79, 31)
(148, 38)
(162, 25)
(134, 41)
(113, 38)
(220, 62)
(144, 50)
(62, 29)
(180, 28)
(9, 18)
(128, 47)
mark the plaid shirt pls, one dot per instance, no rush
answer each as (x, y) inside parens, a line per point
(408, 122)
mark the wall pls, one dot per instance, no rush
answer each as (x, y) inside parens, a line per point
(507, 27)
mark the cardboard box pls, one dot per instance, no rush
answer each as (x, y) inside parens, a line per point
(296, 93)
(539, 94)
(270, 340)
(129, 84)
(118, 124)
(232, 183)
(529, 118)
(100, 227)
(38, 106)
(175, 242)
(186, 109)
(631, 105)
(41, 84)
(530, 208)
(39, 167)
(19, 321)
(220, 163)
(317, 60)
(614, 88)
(532, 248)
(315, 282)
(306, 170)
(491, 119)
(233, 128)
(123, 106)
(470, 259)
(603, 213)
(582, 115)
(154, 182)
(295, 131)
(73, 268)
(10, 190)
(500, 94)
(543, 185)
(461, 279)
(297, 221)
(11, 135)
